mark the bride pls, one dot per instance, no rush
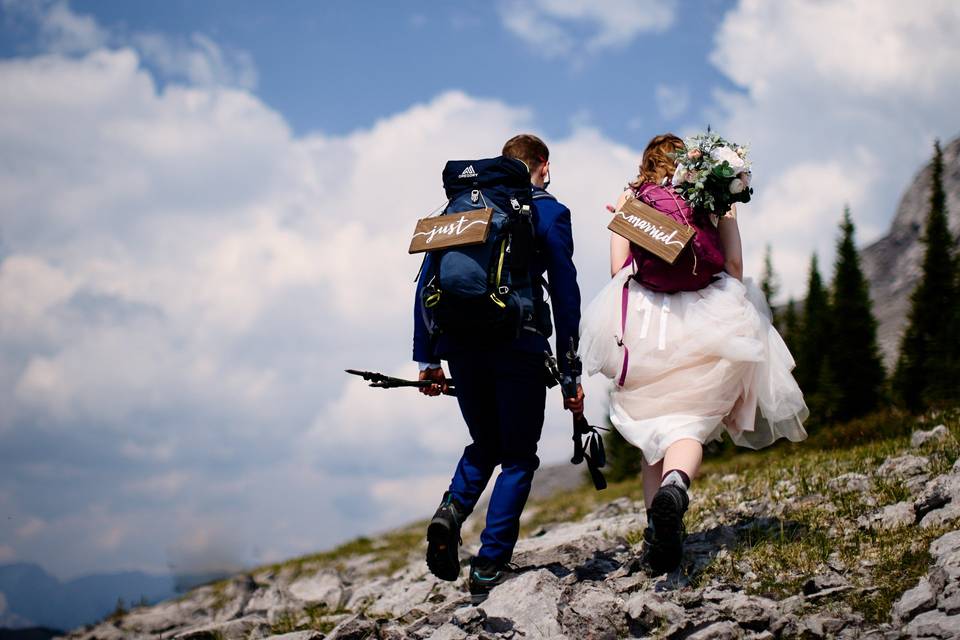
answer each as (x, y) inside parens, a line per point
(687, 364)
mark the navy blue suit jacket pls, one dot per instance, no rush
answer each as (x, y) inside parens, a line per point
(553, 258)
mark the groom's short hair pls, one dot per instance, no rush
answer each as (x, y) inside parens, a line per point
(528, 148)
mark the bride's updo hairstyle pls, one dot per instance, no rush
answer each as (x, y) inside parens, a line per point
(657, 163)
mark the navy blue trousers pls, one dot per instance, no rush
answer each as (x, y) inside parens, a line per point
(501, 394)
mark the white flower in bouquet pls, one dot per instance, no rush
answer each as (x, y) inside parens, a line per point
(737, 185)
(726, 154)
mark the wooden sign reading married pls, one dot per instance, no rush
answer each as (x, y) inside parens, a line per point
(656, 232)
(451, 230)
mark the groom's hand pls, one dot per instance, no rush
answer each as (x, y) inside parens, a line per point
(575, 405)
(438, 378)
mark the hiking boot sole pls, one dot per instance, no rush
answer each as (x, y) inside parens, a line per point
(667, 518)
(443, 550)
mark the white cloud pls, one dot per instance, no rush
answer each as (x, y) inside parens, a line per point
(31, 527)
(7, 554)
(841, 102)
(672, 101)
(198, 60)
(60, 30)
(554, 27)
(401, 497)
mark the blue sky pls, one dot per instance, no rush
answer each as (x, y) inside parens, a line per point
(338, 65)
(206, 207)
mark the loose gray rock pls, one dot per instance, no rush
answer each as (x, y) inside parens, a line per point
(239, 629)
(752, 612)
(938, 434)
(821, 626)
(850, 482)
(916, 600)
(529, 601)
(356, 627)
(949, 600)
(448, 632)
(324, 588)
(298, 635)
(468, 617)
(593, 610)
(934, 624)
(647, 610)
(904, 466)
(724, 630)
(268, 599)
(824, 582)
(946, 554)
(939, 502)
(892, 516)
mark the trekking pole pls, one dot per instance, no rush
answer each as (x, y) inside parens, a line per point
(381, 381)
(592, 452)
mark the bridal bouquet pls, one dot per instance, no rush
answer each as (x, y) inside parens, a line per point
(712, 173)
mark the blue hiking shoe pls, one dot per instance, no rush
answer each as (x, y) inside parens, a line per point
(443, 539)
(485, 575)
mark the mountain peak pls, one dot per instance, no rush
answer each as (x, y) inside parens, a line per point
(892, 264)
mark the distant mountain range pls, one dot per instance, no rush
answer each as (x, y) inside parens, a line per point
(30, 597)
(892, 264)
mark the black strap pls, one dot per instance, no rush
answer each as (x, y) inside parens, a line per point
(592, 450)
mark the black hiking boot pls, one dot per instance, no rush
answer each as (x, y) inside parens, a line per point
(663, 538)
(443, 539)
(485, 575)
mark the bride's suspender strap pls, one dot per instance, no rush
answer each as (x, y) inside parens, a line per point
(624, 307)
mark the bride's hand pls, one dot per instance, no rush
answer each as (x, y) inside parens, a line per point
(623, 198)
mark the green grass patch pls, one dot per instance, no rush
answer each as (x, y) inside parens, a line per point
(391, 551)
(880, 565)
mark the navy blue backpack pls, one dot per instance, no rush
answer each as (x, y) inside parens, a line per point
(483, 292)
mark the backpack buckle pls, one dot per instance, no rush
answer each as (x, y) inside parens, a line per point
(503, 290)
(475, 196)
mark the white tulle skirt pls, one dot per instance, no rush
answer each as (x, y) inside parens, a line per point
(699, 362)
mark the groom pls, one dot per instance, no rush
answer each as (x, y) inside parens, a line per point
(501, 391)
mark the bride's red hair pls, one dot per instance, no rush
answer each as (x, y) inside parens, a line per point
(657, 163)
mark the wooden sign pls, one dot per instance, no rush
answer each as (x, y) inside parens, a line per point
(451, 230)
(656, 232)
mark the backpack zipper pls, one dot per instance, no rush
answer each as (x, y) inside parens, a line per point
(503, 251)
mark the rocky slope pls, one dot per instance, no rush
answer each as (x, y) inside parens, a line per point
(807, 541)
(892, 264)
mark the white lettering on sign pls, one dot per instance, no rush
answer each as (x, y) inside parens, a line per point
(451, 229)
(655, 231)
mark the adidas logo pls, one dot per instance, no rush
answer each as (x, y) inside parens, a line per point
(468, 172)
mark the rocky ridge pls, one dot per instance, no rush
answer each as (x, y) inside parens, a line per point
(893, 263)
(851, 544)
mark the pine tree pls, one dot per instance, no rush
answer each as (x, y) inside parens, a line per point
(623, 459)
(812, 339)
(791, 327)
(927, 369)
(769, 283)
(854, 357)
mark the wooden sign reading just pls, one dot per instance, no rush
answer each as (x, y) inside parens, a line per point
(656, 232)
(451, 230)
